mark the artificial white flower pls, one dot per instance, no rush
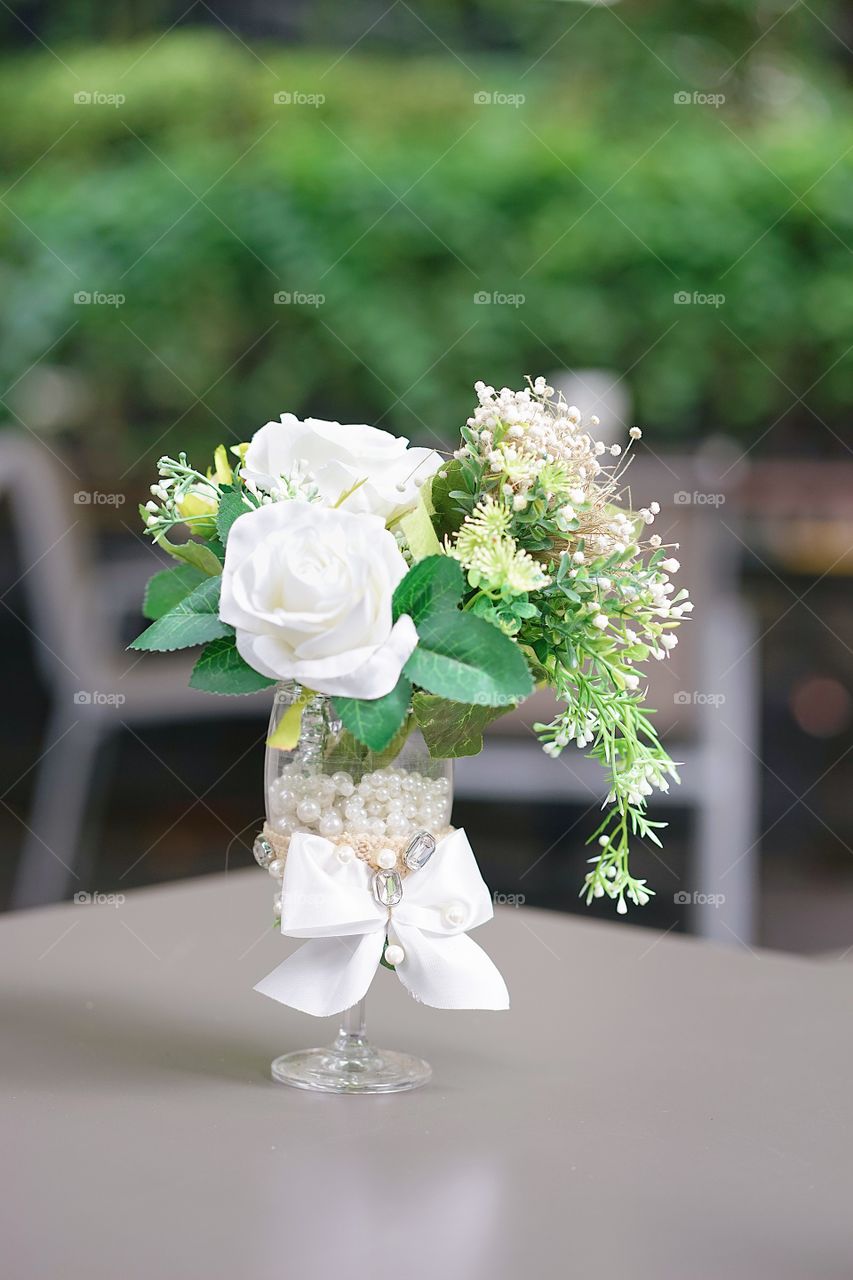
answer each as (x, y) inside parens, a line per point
(376, 470)
(308, 590)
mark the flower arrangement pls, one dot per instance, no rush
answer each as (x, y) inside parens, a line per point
(416, 589)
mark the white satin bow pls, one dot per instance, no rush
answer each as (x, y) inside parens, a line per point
(332, 904)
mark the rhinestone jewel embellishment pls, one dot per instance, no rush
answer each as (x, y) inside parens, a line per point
(419, 851)
(263, 851)
(387, 888)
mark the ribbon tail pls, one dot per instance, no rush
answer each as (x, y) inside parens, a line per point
(449, 972)
(326, 975)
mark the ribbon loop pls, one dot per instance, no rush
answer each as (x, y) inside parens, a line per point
(334, 906)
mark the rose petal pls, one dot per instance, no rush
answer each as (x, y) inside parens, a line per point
(378, 675)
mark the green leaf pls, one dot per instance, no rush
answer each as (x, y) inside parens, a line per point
(286, 733)
(231, 507)
(220, 669)
(466, 659)
(431, 586)
(453, 728)
(524, 609)
(376, 721)
(447, 512)
(348, 753)
(191, 552)
(417, 529)
(168, 588)
(194, 620)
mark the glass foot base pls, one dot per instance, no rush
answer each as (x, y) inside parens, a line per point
(351, 1065)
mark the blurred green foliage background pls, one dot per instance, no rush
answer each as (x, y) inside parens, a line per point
(399, 198)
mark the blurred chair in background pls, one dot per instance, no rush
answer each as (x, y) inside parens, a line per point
(76, 609)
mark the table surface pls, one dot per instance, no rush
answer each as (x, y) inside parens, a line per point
(651, 1106)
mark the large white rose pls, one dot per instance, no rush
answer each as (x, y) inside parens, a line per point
(339, 457)
(308, 589)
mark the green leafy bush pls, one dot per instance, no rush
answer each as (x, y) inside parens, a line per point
(399, 199)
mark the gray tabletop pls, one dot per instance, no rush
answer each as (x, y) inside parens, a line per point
(650, 1107)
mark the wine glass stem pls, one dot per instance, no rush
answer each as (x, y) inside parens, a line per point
(352, 1029)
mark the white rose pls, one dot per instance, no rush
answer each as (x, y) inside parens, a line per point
(308, 589)
(340, 457)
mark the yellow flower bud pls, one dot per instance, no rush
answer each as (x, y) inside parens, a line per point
(222, 472)
(200, 513)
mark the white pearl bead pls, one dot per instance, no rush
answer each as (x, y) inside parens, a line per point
(330, 824)
(343, 783)
(276, 868)
(386, 858)
(376, 827)
(346, 853)
(454, 915)
(276, 905)
(394, 954)
(308, 810)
